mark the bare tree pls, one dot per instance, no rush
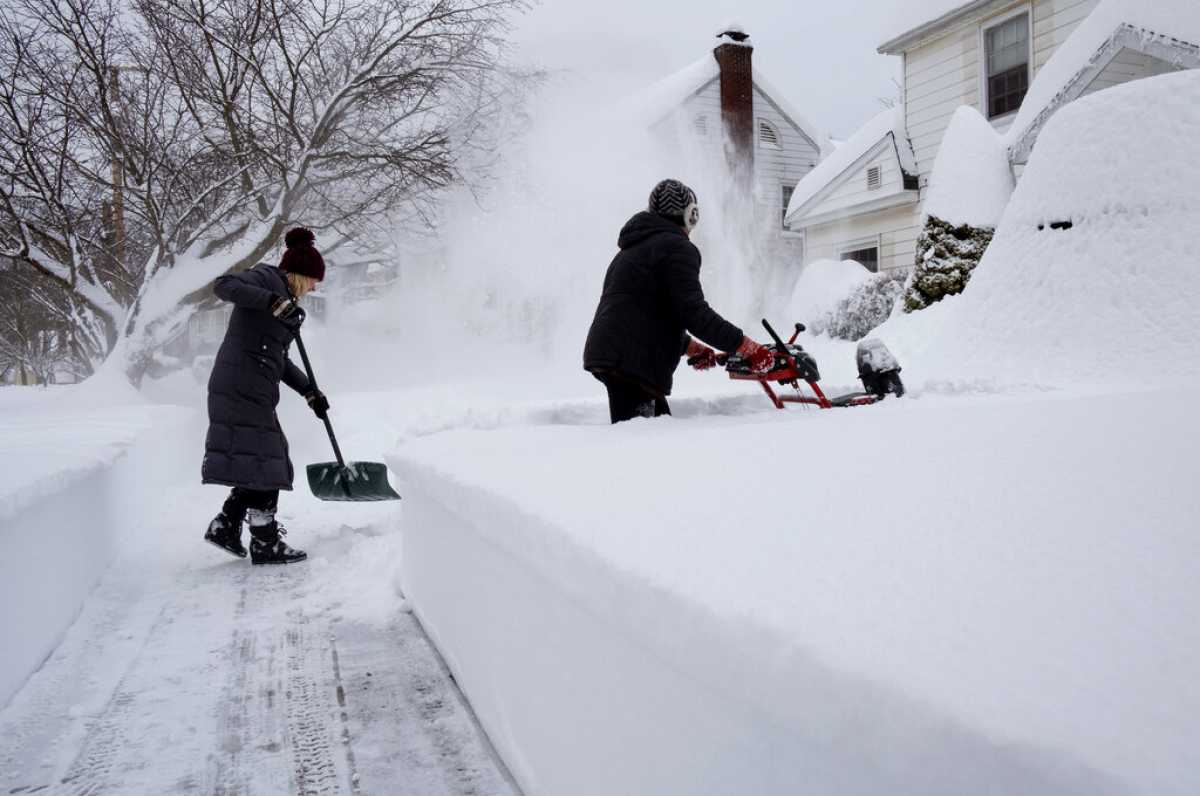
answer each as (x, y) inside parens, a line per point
(52, 217)
(212, 125)
(37, 335)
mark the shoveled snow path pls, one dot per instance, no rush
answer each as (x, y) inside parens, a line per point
(189, 671)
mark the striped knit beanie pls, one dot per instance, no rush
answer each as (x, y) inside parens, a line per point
(673, 200)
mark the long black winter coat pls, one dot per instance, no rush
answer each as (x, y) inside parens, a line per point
(245, 446)
(651, 297)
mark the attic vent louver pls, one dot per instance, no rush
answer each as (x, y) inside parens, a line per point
(700, 125)
(768, 136)
(874, 178)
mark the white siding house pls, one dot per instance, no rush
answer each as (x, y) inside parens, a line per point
(1016, 62)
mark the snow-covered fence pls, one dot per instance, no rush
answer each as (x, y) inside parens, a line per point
(71, 484)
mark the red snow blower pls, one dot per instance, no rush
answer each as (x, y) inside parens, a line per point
(877, 368)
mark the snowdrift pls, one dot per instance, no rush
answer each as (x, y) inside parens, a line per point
(971, 181)
(720, 605)
(71, 479)
(1091, 277)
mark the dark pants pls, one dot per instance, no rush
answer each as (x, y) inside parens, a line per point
(263, 502)
(627, 399)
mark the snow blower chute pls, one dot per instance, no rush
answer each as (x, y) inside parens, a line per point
(877, 368)
(342, 480)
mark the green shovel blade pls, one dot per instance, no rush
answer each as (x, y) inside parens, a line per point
(356, 481)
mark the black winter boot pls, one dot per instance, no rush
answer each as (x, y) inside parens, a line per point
(226, 534)
(267, 548)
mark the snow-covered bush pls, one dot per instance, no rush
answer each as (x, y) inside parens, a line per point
(968, 190)
(822, 286)
(867, 306)
(946, 256)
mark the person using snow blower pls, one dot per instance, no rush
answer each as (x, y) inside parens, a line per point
(652, 308)
(245, 447)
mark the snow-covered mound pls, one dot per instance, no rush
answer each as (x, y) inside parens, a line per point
(1091, 277)
(72, 476)
(971, 181)
(722, 605)
(821, 286)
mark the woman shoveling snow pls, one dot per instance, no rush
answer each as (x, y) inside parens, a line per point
(245, 447)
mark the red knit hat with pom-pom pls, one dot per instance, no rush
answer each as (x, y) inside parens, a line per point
(302, 256)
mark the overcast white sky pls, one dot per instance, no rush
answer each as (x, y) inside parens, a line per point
(821, 55)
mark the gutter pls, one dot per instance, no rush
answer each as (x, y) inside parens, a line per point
(906, 40)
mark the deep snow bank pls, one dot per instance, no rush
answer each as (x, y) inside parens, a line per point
(71, 480)
(1091, 277)
(722, 605)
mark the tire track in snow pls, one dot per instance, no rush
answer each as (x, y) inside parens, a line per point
(278, 727)
(320, 765)
(401, 698)
(152, 733)
(106, 737)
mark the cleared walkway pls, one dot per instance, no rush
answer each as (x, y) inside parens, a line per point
(191, 672)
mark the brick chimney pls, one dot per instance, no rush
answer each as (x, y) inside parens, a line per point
(733, 54)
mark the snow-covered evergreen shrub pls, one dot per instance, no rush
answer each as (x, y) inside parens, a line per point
(946, 256)
(867, 306)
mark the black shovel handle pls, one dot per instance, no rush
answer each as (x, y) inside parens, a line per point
(312, 383)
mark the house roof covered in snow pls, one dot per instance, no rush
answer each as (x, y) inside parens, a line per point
(887, 127)
(1168, 30)
(940, 15)
(664, 97)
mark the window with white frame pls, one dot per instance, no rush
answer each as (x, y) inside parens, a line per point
(1006, 64)
(786, 195)
(867, 256)
(768, 136)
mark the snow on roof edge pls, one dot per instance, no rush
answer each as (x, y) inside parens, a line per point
(661, 98)
(889, 121)
(953, 12)
(1175, 19)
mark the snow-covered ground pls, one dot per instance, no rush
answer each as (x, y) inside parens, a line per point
(188, 671)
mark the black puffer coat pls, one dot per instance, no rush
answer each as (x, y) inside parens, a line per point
(651, 297)
(245, 446)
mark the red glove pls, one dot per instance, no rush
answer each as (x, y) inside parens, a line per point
(700, 356)
(762, 360)
(759, 357)
(705, 359)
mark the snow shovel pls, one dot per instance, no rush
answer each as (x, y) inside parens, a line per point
(355, 481)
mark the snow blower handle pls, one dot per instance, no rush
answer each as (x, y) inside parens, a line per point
(778, 340)
(312, 384)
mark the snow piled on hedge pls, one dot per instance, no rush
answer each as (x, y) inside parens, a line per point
(821, 286)
(971, 181)
(1112, 298)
